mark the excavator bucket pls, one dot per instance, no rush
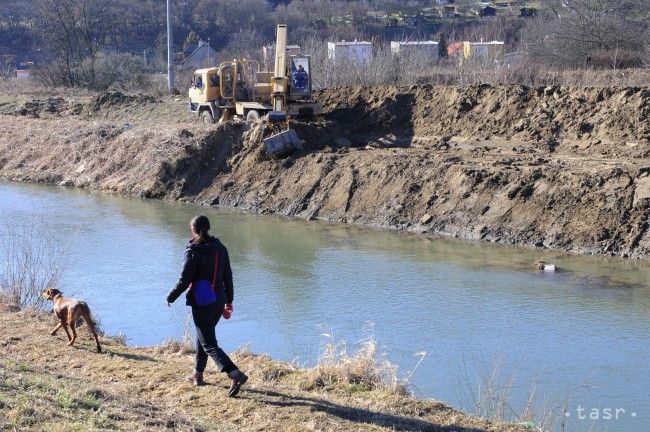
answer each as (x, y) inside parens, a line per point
(282, 143)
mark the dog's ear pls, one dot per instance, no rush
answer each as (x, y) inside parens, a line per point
(49, 293)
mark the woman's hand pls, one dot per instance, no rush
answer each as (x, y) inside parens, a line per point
(227, 311)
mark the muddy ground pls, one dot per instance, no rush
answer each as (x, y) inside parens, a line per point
(554, 167)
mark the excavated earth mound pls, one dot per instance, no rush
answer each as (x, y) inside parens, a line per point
(553, 167)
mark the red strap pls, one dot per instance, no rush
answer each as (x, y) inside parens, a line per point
(214, 276)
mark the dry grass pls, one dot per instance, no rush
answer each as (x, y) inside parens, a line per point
(364, 370)
(175, 346)
(179, 347)
(30, 88)
(45, 385)
(530, 75)
(383, 69)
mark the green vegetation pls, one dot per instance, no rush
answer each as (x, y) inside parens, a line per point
(30, 398)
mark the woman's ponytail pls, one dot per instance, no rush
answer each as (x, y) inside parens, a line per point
(201, 226)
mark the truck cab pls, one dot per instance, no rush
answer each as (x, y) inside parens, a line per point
(205, 94)
(233, 88)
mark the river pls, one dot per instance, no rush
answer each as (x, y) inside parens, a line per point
(579, 338)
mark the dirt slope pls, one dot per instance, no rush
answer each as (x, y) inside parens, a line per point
(46, 385)
(563, 168)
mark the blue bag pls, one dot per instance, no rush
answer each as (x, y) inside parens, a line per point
(204, 292)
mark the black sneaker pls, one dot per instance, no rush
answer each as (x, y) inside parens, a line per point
(238, 380)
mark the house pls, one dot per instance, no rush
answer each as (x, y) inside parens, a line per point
(484, 53)
(21, 65)
(454, 49)
(25, 69)
(268, 55)
(198, 56)
(428, 49)
(449, 11)
(488, 11)
(527, 12)
(506, 3)
(358, 52)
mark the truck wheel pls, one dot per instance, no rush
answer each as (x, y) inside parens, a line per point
(218, 113)
(206, 118)
(252, 117)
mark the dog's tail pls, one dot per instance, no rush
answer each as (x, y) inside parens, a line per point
(89, 318)
(92, 324)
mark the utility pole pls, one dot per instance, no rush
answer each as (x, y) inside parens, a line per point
(170, 49)
(208, 53)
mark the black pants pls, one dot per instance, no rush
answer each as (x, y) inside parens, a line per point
(206, 319)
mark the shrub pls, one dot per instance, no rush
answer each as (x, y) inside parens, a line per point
(366, 369)
(121, 71)
(31, 261)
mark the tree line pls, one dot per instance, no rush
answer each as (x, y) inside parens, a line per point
(95, 42)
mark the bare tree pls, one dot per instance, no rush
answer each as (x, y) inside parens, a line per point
(246, 43)
(581, 29)
(7, 67)
(75, 32)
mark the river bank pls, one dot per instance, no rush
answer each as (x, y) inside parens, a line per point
(301, 286)
(558, 168)
(45, 385)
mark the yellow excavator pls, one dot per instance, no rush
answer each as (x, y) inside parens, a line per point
(239, 88)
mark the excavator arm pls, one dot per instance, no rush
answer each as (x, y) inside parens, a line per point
(280, 80)
(285, 139)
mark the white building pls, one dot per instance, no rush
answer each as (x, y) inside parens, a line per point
(359, 52)
(428, 49)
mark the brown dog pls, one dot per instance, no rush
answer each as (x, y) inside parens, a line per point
(69, 311)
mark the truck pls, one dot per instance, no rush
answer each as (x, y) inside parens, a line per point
(239, 88)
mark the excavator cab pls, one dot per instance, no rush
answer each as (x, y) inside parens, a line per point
(300, 83)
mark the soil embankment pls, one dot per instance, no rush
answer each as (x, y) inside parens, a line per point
(562, 168)
(46, 385)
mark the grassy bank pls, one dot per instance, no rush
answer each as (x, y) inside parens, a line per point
(46, 385)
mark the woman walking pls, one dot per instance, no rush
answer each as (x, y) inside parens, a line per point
(207, 273)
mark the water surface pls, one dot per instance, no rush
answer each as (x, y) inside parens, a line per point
(581, 337)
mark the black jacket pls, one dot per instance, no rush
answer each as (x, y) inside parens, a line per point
(199, 264)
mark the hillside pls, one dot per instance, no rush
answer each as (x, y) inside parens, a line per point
(46, 385)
